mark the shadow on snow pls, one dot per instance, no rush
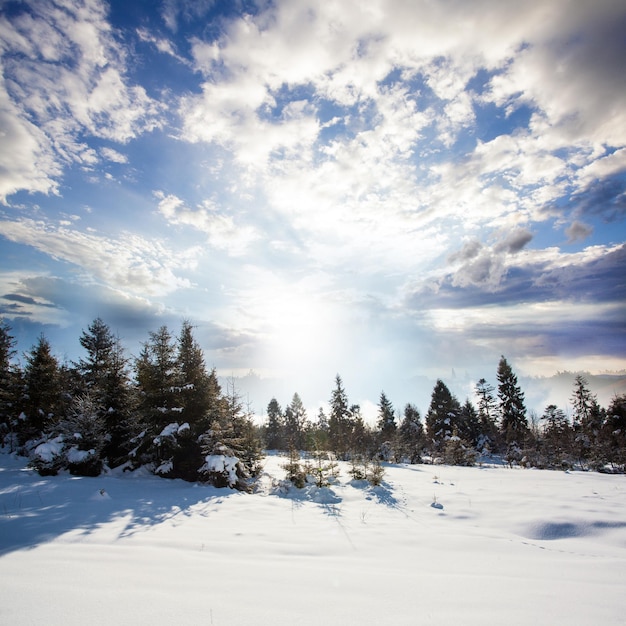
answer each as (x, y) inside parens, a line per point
(36, 510)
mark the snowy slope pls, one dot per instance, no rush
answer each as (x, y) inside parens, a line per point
(505, 546)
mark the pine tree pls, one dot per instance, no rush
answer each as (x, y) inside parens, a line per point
(469, 429)
(196, 391)
(339, 427)
(158, 380)
(386, 418)
(442, 416)
(613, 437)
(411, 435)
(8, 385)
(99, 343)
(487, 414)
(513, 424)
(42, 391)
(295, 421)
(587, 419)
(274, 429)
(84, 435)
(106, 380)
(556, 436)
(159, 411)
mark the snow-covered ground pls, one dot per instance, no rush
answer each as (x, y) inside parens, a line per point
(502, 546)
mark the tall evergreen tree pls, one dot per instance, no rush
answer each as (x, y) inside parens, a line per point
(339, 426)
(274, 428)
(41, 401)
(469, 427)
(513, 423)
(99, 342)
(158, 379)
(442, 416)
(106, 379)
(8, 384)
(587, 419)
(556, 435)
(196, 391)
(386, 418)
(411, 435)
(487, 415)
(295, 422)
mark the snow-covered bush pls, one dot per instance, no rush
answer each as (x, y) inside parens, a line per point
(84, 434)
(49, 456)
(222, 465)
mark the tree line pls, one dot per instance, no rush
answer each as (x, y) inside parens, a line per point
(498, 424)
(165, 410)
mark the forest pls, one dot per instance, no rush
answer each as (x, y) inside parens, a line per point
(166, 411)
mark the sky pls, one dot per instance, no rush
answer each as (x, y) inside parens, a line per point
(395, 191)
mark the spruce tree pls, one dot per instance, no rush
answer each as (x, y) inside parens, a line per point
(274, 428)
(339, 427)
(411, 435)
(295, 420)
(41, 400)
(587, 419)
(556, 436)
(158, 380)
(487, 415)
(386, 418)
(8, 385)
(106, 380)
(513, 424)
(159, 411)
(442, 416)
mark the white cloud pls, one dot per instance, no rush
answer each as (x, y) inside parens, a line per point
(113, 155)
(129, 263)
(64, 70)
(223, 233)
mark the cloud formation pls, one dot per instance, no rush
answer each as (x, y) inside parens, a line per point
(351, 183)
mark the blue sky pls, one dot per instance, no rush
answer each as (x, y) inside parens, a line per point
(387, 190)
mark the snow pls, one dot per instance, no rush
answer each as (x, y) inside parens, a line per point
(74, 455)
(50, 449)
(510, 546)
(222, 464)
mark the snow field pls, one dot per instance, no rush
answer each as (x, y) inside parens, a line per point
(508, 546)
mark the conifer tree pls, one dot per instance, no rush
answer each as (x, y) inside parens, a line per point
(411, 435)
(443, 415)
(339, 427)
(487, 415)
(42, 391)
(513, 423)
(556, 435)
(196, 392)
(8, 385)
(106, 380)
(274, 427)
(587, 419)
(469, 429)
(295, 421)
(157, 377)
(99, 342)
(386, 418)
